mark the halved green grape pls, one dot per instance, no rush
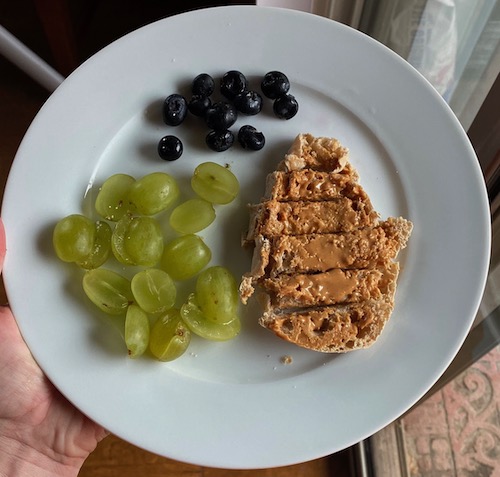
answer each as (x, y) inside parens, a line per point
(136, 331)
(217, 294)
(215, 183)
(199, 324)
(137, 240)
(111, 202)
(183, 257)
(154, 291)
(100, 250)
(153, 193)
(192, 216)
(108, 290)
(73, 238)
(170, 337)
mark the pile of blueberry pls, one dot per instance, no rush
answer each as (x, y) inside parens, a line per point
(219, 116)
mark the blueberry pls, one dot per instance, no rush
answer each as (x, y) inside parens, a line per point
(250, 138)
(170, 148)
(198, 105)
(233, 83)
(221, 116)
(286, 106)
(174, 109)
(248, 102)
(203, 85)
(219, 141)
(275, 84)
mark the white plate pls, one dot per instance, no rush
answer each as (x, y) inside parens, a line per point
(234, 404)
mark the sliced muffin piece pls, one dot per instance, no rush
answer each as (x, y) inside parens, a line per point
(332, 287)
(273, 218)
(319, 154)
(308, 184)
(331, 329)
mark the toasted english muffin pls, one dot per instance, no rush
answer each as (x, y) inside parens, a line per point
(324, 264)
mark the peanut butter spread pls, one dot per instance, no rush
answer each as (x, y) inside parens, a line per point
(331, 329)
(361, 248)
(308, 184)
(323, 263)
(331, 287)
(273, 218)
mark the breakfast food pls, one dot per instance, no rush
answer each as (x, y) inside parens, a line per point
(324, 264)
(136, 217)
(130, 233)
(219, 115)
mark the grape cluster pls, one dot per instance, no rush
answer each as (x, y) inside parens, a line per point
(130, 231)
(220, 116)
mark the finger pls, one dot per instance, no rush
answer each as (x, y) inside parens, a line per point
(3, 246)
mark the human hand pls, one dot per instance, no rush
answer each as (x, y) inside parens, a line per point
(41, 433)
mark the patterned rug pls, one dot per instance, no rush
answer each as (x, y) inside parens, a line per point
(456, 432)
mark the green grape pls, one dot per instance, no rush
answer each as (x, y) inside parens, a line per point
(192, 216)
(199, 324)
(215, 183)
(111, 202)
(73, 238)
(100, 250)
(217, 294)
(108, 290)
(183, 257)
(153, 193)
(136, 331)
(170, 337)
(137, 241)
(154, 291)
